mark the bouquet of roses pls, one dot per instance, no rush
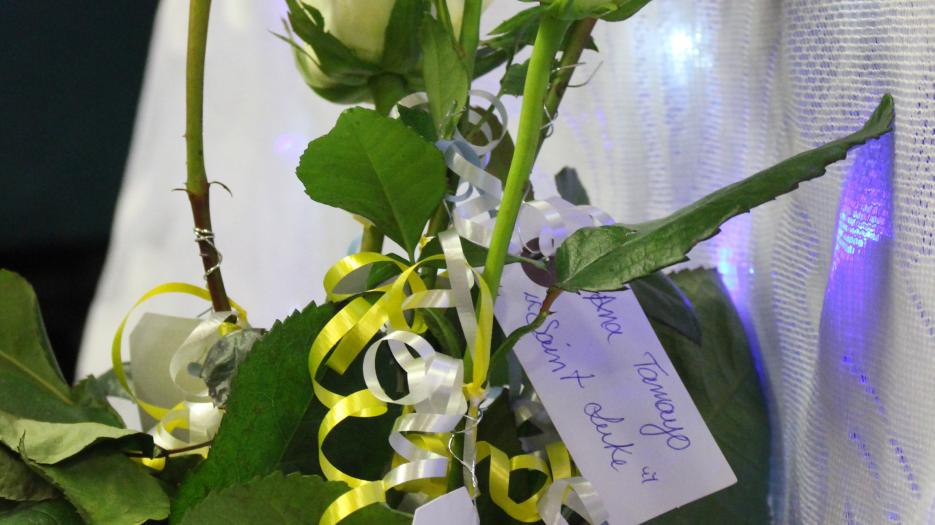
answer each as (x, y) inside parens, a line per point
(482, 356)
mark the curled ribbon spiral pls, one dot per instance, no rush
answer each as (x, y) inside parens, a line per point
(549, 220)
(437, 397)
(196, 413)
(437, 392)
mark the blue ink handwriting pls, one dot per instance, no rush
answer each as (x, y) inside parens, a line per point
(601, 303)
(546, 339)
(601, 423)
(665, 407)
(576, 375)
(648, 476)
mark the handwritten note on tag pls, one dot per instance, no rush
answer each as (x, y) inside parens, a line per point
(615, 399)
(454, 508)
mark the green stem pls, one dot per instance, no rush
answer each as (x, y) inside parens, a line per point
(387, 89)
(544, 311)
(548, 41)
(470, 32)
(571, 56)
(196, 184)
(372, 240)
(455, 470)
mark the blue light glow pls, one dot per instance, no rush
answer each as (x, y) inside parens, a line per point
(855, 296)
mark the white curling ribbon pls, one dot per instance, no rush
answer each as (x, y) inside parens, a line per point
(161, 349)
(193, 350)
(435, 391)
(461, 278)
(579, 495)
(479, 195)
(474, 117)
(553, 219)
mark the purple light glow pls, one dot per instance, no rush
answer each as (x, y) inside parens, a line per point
(851, 328)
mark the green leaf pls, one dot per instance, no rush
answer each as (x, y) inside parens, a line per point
(722, 380)
(612, 10)
(663, 302)
(608, 257)
(286, 500)
(516, 32)
(627, 9)
(18, 482)
(107, 488)
(506, 40)
(269, 398)
(418, 121)
(514, 79)
(356, 90)
(378, 168)
(57, 512)
(334, 59)
(47, 443)
(446, 77)
(95, 389)
(487, 59)
(401, 44)
(570, 188)
(177, 467)
(509, 38)
(31, 384)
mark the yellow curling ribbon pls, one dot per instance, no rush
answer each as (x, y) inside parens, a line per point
(347, 334)
(169, 418)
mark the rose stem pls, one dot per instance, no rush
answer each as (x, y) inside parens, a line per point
(571, 55)
(548, 40)
(196, 184)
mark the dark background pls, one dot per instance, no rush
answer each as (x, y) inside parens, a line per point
(70, 76)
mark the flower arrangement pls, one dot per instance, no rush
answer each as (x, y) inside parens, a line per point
(501, 360)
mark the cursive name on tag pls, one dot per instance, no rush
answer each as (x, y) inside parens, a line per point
(454, 508)
(615, 399)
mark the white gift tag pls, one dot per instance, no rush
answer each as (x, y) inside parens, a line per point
(454, 508)
(615, 399)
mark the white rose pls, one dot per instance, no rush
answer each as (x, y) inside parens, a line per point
(361, 26)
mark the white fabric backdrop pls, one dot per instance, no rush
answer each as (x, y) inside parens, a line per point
(837, 279)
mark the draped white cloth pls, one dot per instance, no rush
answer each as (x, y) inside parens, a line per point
(837, 279)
